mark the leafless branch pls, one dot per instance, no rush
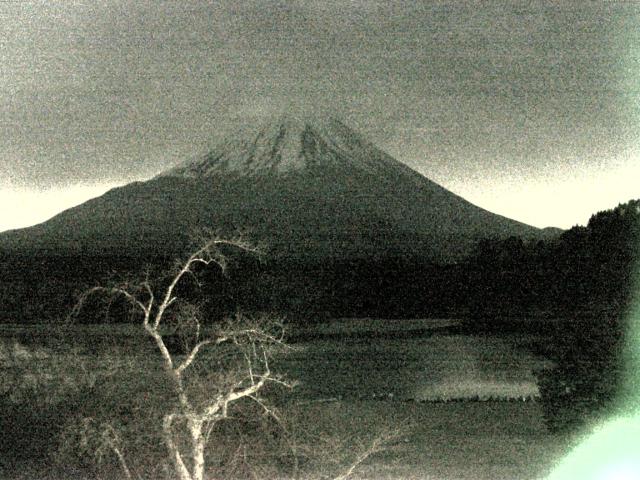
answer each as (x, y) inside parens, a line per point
(167, 426)
(378, 444)
(112, 439)
(192, 356)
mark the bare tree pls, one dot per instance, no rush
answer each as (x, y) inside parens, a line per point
(241, 347)
(163, 312)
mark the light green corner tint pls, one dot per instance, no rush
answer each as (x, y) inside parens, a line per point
(611, 452)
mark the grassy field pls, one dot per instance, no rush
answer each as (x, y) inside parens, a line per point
(457, 440)
(413, 376)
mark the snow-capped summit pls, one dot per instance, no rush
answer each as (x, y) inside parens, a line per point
(286, 144)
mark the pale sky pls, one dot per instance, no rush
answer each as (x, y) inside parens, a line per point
(528, 109)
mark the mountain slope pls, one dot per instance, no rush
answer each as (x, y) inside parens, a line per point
(309, 188)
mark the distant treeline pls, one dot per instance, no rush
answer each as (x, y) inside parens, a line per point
(585, 272)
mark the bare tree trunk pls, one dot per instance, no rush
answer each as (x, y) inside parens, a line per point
(198, 444)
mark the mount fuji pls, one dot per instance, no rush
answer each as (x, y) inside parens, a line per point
(307, 187)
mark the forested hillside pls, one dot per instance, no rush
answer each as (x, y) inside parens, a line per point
(588, 279)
